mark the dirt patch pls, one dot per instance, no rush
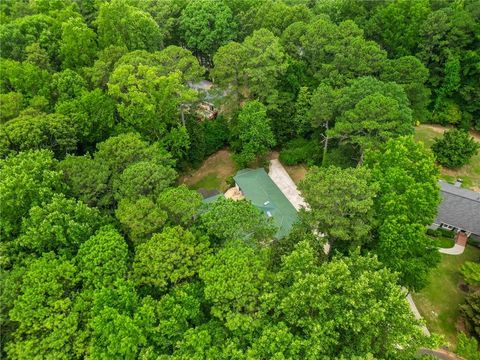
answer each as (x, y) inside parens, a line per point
(234, 194)
(215, 169)
(441, 129)
(296, 172)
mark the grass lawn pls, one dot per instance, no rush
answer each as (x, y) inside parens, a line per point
(212, 174)
(444, 242)
(439, 301)
(470, 173)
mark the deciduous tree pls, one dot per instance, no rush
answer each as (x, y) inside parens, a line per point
(455, 148)
(254, 132)
(169, 257)
(140, 218)
(342, 204)
(27, 179)
(181, 204)
(227, 219)
(102, 259)
(206, 25)
(121, 24)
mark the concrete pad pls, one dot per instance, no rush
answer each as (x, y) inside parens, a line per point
(285, 183)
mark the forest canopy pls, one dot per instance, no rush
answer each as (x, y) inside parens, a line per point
(106, 256)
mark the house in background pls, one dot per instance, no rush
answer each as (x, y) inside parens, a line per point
(459, 210)
(205, 109)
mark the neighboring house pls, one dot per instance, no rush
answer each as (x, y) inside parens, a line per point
(205, 110)
(459, 209)
(259, 188)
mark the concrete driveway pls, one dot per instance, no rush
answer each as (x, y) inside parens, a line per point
(285, 183)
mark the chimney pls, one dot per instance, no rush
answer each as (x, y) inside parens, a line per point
(458, 183)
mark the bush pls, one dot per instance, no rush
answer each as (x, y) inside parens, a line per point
(299, 151)
(343, 156)
(216, 134)
(455, 148)
(440, 233)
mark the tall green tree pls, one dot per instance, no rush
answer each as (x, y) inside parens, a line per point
(338, 54)
(149, 101)
(341, 204)
(27, 179)
(406, 203)
(140, 218)
(397, 25)
(181, 204)
(252, 68)
(47, 321)
(121, 24)
(102, 259)
(206, 25)
(55, 132)
(370, 112)
(255, 136)
(235, 299)
(60, 226)
(323, 112)
(78, 44)
(143, 178)
(93, 115)
(169, 257)
(354, 302)
(412, 75)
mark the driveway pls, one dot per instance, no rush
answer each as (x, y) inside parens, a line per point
(285, 183)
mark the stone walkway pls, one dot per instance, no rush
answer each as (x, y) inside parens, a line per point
(459, 247)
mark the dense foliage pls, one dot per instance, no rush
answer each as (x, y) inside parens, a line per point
(105, 257)
(455, 148)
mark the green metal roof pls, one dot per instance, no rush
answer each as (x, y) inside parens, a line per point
(211, 199)
(260, 189)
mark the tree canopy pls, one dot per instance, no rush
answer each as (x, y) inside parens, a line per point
(119, 121)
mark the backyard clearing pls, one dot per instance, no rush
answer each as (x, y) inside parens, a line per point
(213, 173)
(470, 173)
(439, 301)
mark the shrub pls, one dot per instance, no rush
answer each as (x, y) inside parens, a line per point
(454, 148)
(216, 134)
(299, 151)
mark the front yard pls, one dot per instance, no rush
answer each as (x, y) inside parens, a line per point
(470, 173)
(439, 301)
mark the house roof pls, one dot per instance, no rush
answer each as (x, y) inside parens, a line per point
(459, 208)
(260, 189)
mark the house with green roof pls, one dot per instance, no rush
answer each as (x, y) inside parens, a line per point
(259, 188)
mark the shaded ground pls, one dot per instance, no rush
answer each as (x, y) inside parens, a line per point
(296, 172)
(212, 174)
(439, 301)
(470, 173)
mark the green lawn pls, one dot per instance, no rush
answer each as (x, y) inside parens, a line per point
(210, 182)
(470, 173)
(213, 174)
(439, 302)
(444, 242)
